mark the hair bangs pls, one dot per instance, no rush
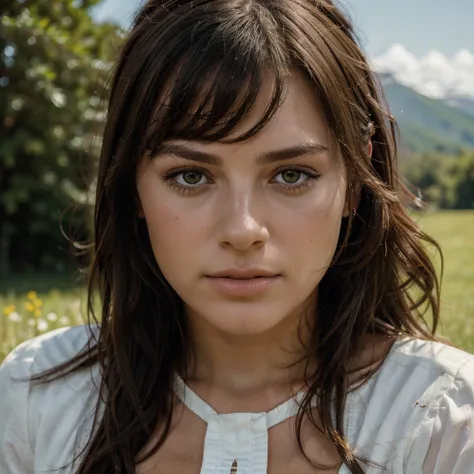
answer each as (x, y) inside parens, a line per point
(212, 93)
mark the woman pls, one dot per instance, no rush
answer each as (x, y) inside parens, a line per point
(262, 285)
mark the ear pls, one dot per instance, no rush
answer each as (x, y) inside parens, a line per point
(356, 189)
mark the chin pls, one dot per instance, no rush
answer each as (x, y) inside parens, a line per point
(245, 321)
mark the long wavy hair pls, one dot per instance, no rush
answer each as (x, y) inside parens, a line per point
(192, 69)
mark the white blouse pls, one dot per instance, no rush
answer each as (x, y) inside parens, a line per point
(415, 415)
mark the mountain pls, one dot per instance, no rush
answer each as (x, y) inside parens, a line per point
(428, 124)
(463, 103)
(432, 97)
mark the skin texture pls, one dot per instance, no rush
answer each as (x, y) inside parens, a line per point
(239, 214)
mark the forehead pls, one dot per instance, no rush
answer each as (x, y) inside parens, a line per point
(300, 116)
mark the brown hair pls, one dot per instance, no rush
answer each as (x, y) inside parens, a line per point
(209, 58)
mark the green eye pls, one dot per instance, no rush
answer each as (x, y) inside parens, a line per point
(192, 177)
(295, 179)
(187, 180)
(291, 176)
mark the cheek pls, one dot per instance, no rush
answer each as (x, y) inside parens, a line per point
(174, 234)
(166, 228)
(314, 232)
(322, 208)
(169, 244)
(311, 230)
(160, 212)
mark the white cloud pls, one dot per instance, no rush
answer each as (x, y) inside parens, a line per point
(434, 74)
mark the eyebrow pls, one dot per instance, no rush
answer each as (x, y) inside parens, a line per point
(295, 151)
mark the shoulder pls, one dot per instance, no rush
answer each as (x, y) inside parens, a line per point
(430, 357)
(418, 370)
(423, 389)
(50, 349)
(428, 370)
(32, 415)
(423, 371)
(441, 437)
(42, 353)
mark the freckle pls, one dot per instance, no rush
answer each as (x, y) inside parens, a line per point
(176, 218)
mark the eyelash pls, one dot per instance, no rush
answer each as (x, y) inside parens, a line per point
(169, 179)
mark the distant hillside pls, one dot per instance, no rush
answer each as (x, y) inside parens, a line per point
(464, 103)
(428, 124)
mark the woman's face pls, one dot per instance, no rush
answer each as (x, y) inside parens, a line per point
(244, 232)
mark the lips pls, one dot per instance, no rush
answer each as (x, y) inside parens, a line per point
(243, 274)
(242, 287)
(243, 278)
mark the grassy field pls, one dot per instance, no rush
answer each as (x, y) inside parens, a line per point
(455, 233)
(31, 308)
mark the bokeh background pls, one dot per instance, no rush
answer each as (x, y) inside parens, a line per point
(55, 63)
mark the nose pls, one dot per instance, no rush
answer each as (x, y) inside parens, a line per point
(240, 226)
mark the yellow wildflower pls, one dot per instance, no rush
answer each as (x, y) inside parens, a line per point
(37, 313)
(32, 295)
(9, 309)
(29, 306)
(38, 302)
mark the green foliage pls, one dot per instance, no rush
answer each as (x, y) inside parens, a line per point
(464, 179)
(445, 181)
(53, 63)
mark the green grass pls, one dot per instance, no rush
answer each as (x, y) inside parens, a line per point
(454, 231)
(57, 304)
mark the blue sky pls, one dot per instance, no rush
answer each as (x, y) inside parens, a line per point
(420, 25)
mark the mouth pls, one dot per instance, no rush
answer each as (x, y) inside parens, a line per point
(244, 274)
(243, 286)
(246, 278)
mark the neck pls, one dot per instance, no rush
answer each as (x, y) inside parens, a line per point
(241, 364)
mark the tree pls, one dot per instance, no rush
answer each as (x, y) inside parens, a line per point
(464, 172)
(445, 181)
(53, 63)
